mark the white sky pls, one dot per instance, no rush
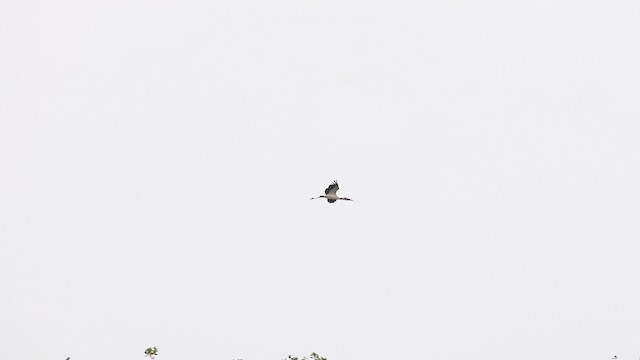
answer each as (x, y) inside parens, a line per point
(158, 156)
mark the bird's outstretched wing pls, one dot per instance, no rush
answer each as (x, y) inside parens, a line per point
(332, 188)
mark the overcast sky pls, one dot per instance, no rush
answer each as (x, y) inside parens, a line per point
(157, 160)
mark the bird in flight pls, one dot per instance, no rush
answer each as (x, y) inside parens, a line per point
(330, 193)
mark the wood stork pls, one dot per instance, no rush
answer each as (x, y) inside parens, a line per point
(330, 193)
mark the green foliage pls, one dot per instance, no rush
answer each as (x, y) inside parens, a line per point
(151, 352)
(313, 356)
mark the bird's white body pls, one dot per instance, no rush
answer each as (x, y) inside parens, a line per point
(330, 193)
